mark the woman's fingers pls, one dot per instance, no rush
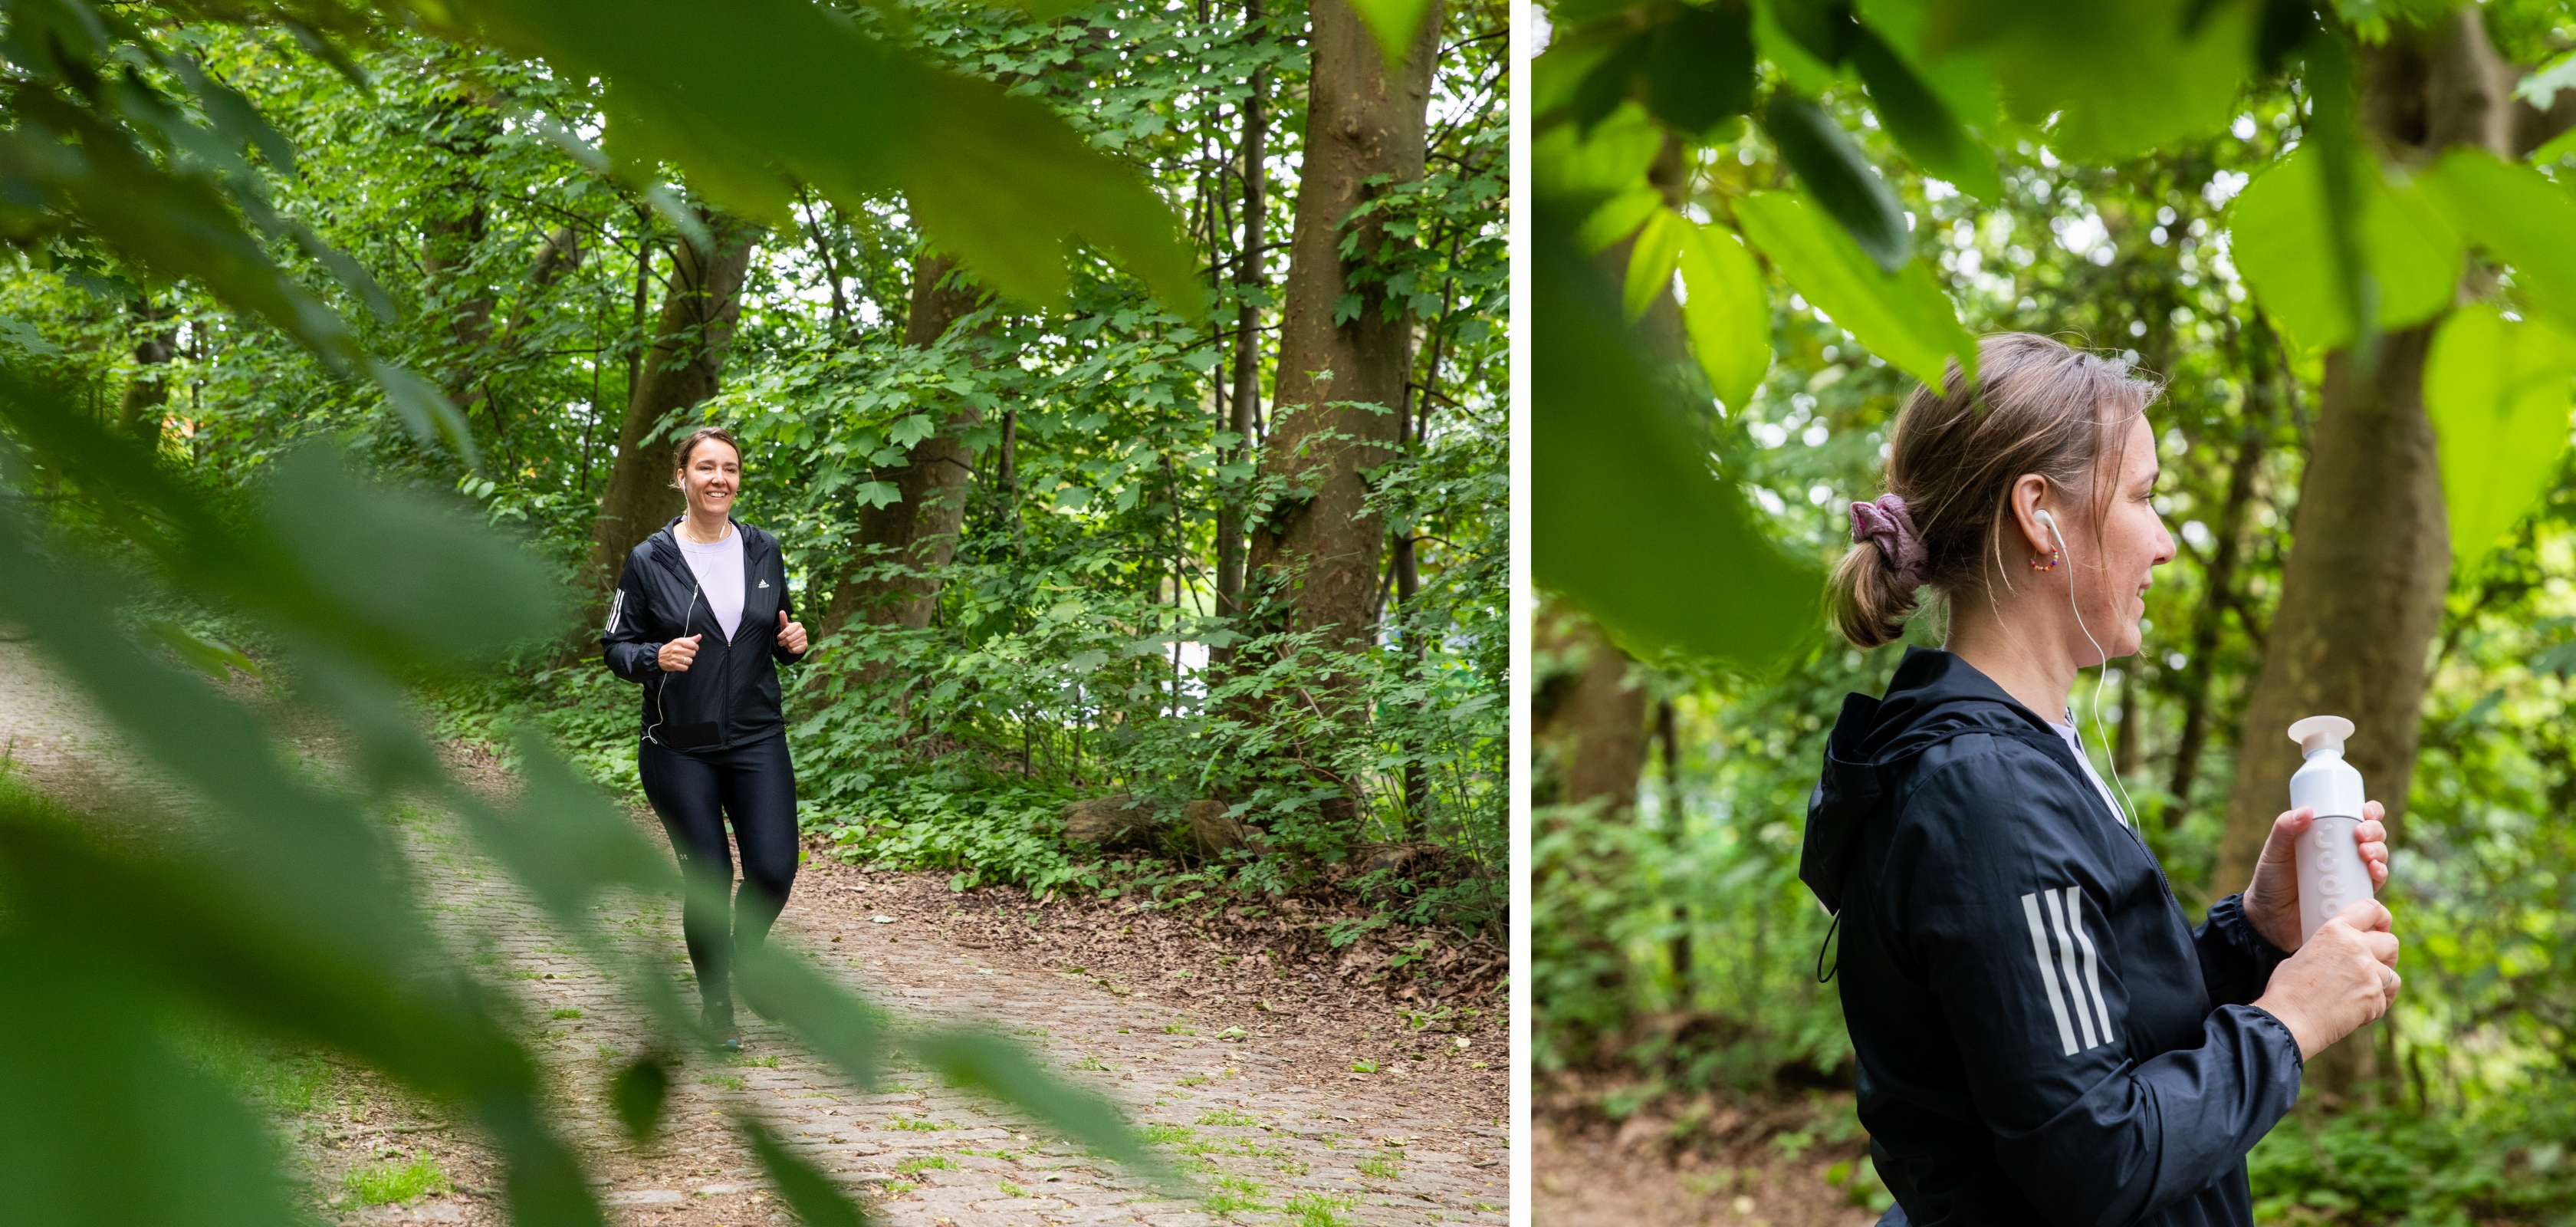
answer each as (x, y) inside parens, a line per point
(2366, 916)
(2382, 946)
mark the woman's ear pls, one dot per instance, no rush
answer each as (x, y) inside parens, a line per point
(2027, 494)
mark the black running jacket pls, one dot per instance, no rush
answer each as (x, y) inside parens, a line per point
(2042, 1036)
(729, 695)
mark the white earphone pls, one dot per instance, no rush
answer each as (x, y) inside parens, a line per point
(2102, 676)
(660, 714)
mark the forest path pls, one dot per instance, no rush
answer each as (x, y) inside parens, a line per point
(1270, 1128)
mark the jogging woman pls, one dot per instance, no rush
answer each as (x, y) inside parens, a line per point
(702, 618)
(2042, 1036)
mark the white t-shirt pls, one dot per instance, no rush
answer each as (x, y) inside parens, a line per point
(2075, 743)
(719, 571)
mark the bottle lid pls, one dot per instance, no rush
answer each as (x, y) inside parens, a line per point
(2321, 733)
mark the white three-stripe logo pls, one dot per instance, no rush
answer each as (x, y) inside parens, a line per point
(2061, 946)
(615, 608)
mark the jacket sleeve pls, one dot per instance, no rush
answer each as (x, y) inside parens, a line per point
(1997, 884)
(621, 638)
(2236, 961)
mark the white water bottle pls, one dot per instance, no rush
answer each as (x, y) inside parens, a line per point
(2331, 875)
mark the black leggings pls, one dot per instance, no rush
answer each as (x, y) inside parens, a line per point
(694, 793)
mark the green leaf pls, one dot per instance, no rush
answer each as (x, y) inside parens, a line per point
(104, 1123)
(1727, 313)
(1904, 318)
(1608, 159)
(2279, 239)
(1699, 68)
(2110, 78)
(1619, 217)
(1650, 261)
(2519, 216)
(2499, 392)
(212, 657)
(782, 91)
(814, 1198)
(1838, 178)
(1922, 123)
(412, 571)
(1626, 517)
(640, 1093)
(1394, 23)
(982, 1061)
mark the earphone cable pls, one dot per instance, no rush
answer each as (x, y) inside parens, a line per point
(2101, 676)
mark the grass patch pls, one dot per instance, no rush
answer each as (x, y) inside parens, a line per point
(925, 1163)
(567, 1012)
(1320, 1210)
(764, 1061)
(1227, 1116)
(1379, 1166)
(727, 1081)
(1194, 1079)
(1178, 1029)
(378, 1184)
(1233, 1195)
(1168, 1135)
(917, 1124)
(1012, 1190)
(1089, 1061)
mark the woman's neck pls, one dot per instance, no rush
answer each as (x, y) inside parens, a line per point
(2025, 656)
(706, 529)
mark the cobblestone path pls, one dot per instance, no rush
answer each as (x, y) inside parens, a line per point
(1270, 1130)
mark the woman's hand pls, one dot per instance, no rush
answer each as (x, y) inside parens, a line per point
(676, 655)
(2344, 977)
(2272, 900)
(791, 635)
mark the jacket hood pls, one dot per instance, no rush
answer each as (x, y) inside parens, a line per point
(1933, 697)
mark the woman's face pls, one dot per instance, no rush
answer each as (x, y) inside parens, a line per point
(2112, 566)
(712, 476)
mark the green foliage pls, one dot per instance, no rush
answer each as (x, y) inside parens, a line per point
(2498, 392)
(2486, 1162)
(387, 1182)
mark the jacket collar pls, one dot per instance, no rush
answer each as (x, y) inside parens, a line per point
(1933, 697)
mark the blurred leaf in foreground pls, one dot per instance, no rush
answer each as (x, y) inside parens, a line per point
(1626, 516)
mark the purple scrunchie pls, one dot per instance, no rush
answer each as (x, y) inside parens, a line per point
(1885, 524)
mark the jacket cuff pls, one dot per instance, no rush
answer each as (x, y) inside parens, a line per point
(2235, 960)
(2268, 1023)
(2228, 916)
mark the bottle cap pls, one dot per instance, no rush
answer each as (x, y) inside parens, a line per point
(2321, 733)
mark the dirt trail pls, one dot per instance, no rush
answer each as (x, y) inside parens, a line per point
(1274, 1126)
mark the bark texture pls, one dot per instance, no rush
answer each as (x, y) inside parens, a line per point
(695, 329)
(919, 531)
(2362, 590)
(1314, 554)
(1243, 407)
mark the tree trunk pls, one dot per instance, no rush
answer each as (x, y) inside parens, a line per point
(2362, 591)
(689, 342)
(139, 410)
(1668, 740)
(1243, 407)
(1588, 751)
(893, 578)
(1340, 383)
